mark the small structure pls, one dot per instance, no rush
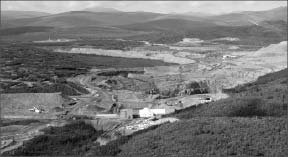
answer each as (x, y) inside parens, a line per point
(107, 116)
(205, 100)
(37, 110)
(126, 113)
(228, 56)
(54, 41)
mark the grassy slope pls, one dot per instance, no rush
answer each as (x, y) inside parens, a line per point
(268, 32)
(72, 139)
(265, 33)
(207, 136)
(265, 97)
(227, 127)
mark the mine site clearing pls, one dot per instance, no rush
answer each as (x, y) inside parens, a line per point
(125, 100)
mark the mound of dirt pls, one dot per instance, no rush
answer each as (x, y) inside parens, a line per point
(273, 50)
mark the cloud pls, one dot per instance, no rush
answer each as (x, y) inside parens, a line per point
(161, 2)
(194, 4)
(92, 4)
(249, 2)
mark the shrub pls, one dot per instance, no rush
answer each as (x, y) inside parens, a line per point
(246, 108)
(71, 139)
(114, 147)
(217, 136)
(233, 107)
(18, 122)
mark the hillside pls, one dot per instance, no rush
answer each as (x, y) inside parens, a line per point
(265, 33)
(250, 17)
(268, 33)
(37, 66)
(264, 97)
(8, 15)
(259, 28)
(112, 17)
(212, 137)
(85, 18)
(169, 24)
(22, 30)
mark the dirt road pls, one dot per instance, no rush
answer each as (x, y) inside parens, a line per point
(25, 133)
(97, 96)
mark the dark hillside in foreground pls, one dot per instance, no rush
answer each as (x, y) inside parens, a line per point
(265, 97)
(218, 136)
(72, 139)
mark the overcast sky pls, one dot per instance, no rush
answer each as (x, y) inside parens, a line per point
(214, 7)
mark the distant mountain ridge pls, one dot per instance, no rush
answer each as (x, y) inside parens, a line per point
(100, 9)
(169, 24)
(250, 17)
(111, 17)
(8, 14)
(84, 18)
(252, 27)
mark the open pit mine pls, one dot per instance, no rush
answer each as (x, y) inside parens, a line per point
(126, 100)
(82, 79)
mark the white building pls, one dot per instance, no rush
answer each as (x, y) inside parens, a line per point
(146, 112)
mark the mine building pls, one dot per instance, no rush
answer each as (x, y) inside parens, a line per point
(126, 113)
(147, 112)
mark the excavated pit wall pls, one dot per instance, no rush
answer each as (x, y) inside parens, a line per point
(153, 55)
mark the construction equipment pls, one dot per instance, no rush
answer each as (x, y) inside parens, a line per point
(37, 110)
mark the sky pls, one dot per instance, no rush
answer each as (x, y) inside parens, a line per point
(211, 7)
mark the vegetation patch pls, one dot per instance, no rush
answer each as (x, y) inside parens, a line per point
(72, 139)
(265, 97)
(22, 30)
(218, 136)
(46, 71)
(76, 139)
(6, 122)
